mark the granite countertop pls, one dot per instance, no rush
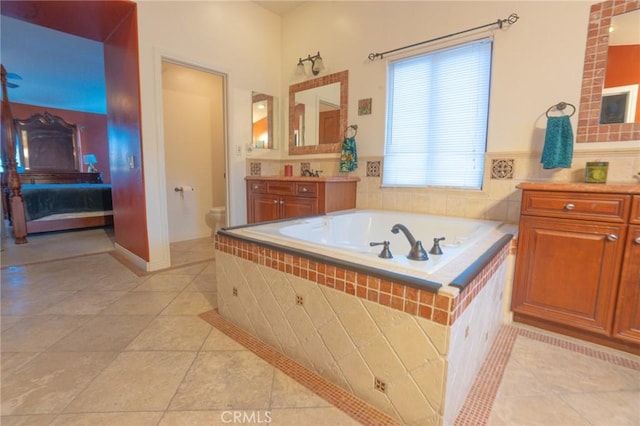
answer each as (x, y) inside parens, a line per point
(306, 178)
(623, 188)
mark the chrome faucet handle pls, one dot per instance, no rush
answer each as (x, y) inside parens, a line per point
(436, 246)
(385, 253)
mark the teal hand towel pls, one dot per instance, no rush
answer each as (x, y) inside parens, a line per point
(349, 155)
(558, 143)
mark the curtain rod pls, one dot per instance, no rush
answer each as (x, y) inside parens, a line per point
(512, 19)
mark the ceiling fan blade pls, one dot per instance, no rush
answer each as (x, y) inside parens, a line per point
(13, 76)
(12, 85)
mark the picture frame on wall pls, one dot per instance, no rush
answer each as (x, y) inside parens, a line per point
(619, 104)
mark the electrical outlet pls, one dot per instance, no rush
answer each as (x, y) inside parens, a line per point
(238, 150)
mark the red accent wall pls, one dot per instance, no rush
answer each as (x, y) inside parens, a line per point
(93, 131)
(114, 23)
(125, 139)
(623, 69)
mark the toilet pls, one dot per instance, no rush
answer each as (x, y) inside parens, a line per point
(216, 219)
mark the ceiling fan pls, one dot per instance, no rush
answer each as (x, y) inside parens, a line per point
(10, 76)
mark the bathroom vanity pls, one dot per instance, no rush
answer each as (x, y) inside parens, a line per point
(277, 197)
(578, 262)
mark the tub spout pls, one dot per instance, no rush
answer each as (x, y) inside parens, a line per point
(417, 251)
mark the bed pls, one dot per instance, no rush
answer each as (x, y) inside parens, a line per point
(43, 187)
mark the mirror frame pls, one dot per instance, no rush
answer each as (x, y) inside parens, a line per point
(258, 97)
(595, 65)
(341, 77)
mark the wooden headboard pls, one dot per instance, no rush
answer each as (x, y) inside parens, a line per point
(47, 143)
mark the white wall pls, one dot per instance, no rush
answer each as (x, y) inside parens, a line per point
(239, 39)
(537, 62)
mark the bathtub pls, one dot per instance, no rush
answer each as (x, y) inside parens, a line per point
(345, 236)
(314, 290)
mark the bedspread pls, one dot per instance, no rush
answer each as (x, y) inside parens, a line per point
(42, 200)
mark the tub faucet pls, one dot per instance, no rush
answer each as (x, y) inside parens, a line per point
(417, 251)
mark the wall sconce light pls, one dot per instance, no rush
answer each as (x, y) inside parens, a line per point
(316, 64)
(90, 160)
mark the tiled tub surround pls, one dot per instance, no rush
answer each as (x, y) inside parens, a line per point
(410, 352)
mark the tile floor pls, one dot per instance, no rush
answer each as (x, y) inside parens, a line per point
(86, 341)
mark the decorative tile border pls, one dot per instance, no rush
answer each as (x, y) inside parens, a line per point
(341, 399)
(256, 169)
(441, 309)
(479, 402)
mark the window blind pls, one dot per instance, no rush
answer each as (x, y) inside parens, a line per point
(437, 114)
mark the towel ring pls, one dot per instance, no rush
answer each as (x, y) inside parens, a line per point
(561, 106)
(353, 128)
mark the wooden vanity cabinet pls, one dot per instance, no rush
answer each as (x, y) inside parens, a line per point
(577, 265)
(627, 319)
(273, 198)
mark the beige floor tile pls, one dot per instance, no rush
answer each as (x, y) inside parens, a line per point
(85, 302)
(140, 303)
(519, 380)
(329, 416)
(172, 333)
(204, 418)
(108, 419)
(28, 420)
(562, 370)
(191, 303)
(37, 333)
(50, 381)
(31, 304)
(225, 380)
(193, 270)
(164, 282)
(135, 381)
(12, 361)
(607, 408)
(8, 321)
(288, 393)
(535, 410)
(103, 334)
(218, 341)
(205, 282)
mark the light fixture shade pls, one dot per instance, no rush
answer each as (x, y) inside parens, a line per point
(300, 68)
(318, 65)
(89, 159)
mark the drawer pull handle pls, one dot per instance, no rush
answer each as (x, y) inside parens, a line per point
(570, 206)
(304, 190)
(281, 202)
(612, 237)
(255, 186)
(637, 240)
(275, 201)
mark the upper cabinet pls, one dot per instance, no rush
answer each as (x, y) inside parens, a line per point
(609, 102)
(318, 114)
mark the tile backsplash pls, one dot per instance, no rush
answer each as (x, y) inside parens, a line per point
(499, 199)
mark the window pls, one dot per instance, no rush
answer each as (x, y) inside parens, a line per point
(437, 113)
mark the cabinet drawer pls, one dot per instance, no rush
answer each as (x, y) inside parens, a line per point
(576, 205)
(258, 187)
(635, 209)
(306, 189)
(280, 187)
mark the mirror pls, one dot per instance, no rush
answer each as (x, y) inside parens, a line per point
(318, 114)
(263, 121)
(606, 102)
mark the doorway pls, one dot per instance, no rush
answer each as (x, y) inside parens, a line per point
(194, 147)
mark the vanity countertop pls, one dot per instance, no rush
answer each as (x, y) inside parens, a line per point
(581, 187)
(306, 178)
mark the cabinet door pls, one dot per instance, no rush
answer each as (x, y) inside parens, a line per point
(264, 207)
(627, 324)
(567, 271)
(298, 206)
